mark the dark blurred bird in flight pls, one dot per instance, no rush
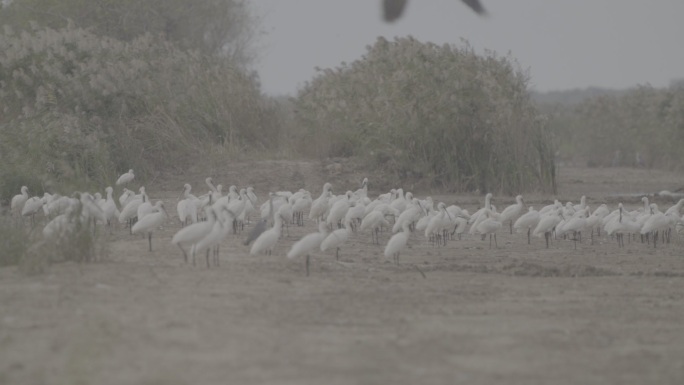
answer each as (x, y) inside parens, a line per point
(392, 9)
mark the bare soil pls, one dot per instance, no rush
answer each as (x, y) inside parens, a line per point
(463, 313)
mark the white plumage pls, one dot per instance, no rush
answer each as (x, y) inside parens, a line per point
(307, 244)
(125, 178)
(151, 221)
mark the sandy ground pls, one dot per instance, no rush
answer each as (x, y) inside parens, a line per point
(464, 313)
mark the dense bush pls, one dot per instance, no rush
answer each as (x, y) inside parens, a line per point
(214, 27)
(81, 106)
(441, 114)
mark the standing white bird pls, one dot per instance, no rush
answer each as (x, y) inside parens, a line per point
(660, 222)
(336, 239)
(268, 239)
(319, 207)
(109, 207)
(194, 233)
(218, 233)
(31, 207)
(512, 212)
(125, 178)
(528, 221)
(151, 221)
(187, 207)
(411, 214)
(307, 244)
(575, 224)
(474, 218)
(620, 224)
(373, 221)
(18, 201)
(130, 210)
(489, 225)
(676, 208)
(145, 207)
(547, 224)
(300, 205)
(355, 214)
(338, 211)
(397, 243)
(438, 226)
(126, 196)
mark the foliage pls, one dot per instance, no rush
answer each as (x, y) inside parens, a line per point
(14, 241)
(439, 113)
(80, 106)
(22, 245)
(215, 27)
(611, 130)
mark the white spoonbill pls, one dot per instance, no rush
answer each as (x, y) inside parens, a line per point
(194, 233)
(300, 205)
(547, 223)
(622, 223)
(411, 215)
(319, 207)
(660, 223)
(338, 210)
(31, 207)
(487, 206)
(575, 224)
(489, 225)
(268, 239)
(307, 244)
(218, 233)
(336, 239)
(126, 196)
(397, 243)
(512, 212)
(438, 226)
(528, 221)
(130, 210)
(109, 207)
(151, 221)
(125, 178)
(373, 221)
(19, 200)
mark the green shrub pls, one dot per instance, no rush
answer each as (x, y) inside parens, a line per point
(78, 106)
(14, 241)
(441, 114)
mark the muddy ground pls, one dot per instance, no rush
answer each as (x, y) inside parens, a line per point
(464, 313)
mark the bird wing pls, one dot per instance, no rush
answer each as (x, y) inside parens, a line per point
(476, 6)
(393, 9)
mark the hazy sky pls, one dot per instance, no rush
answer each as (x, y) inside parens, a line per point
(564, 43)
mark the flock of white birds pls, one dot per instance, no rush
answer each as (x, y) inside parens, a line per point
(207, 220)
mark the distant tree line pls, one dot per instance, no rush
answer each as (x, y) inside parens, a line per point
(640, 127)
